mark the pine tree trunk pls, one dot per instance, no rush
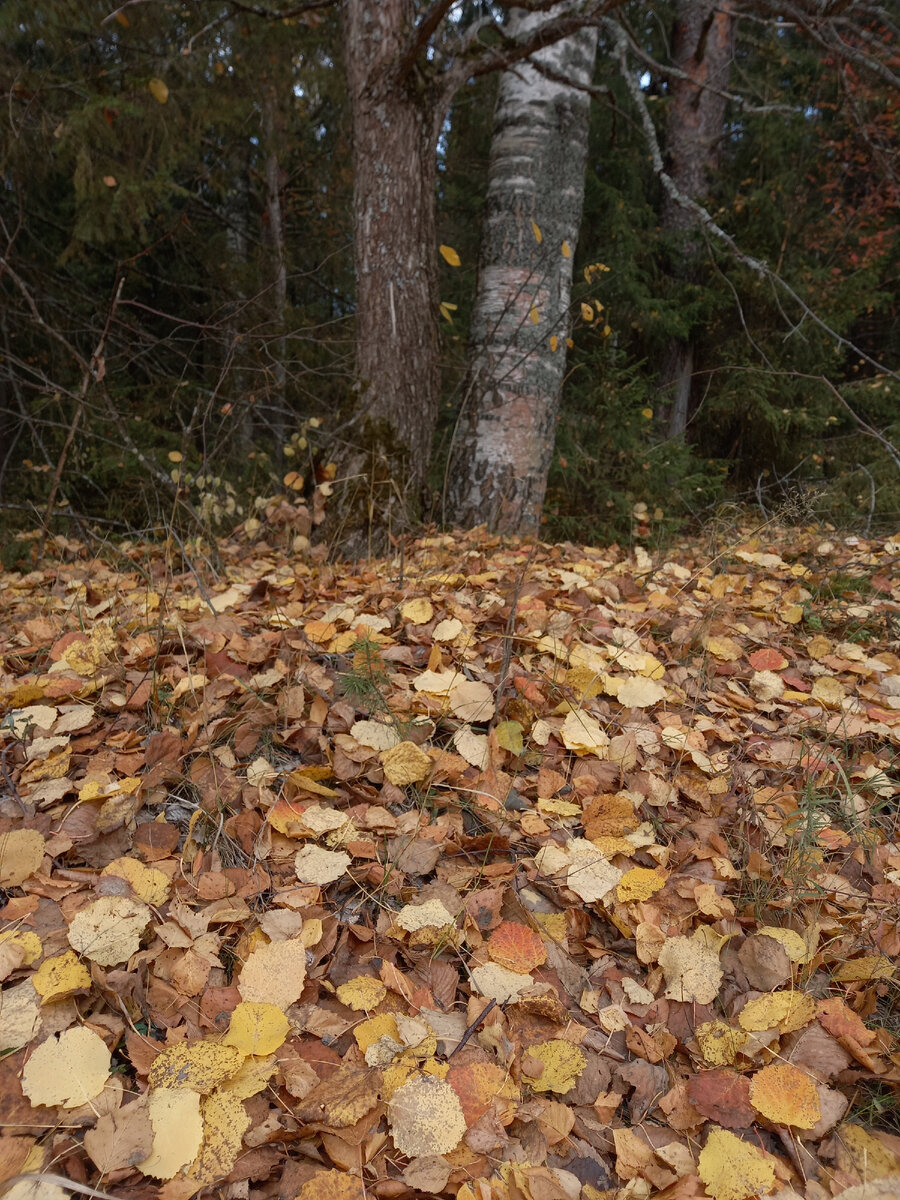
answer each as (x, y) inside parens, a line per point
(504, 444)
(703, 46)
(397, 363)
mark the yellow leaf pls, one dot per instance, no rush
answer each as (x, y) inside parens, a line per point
(794, 945)
(784, 1011)
(570, 343)
(59, 977)
(426, 1117)
(274, 974)
(870, 966)
(148, 884)
(719, 1043)
(535, 229)
(471, 700)
(582, 733)
(563, 1063)
(445, 313)
(367, 1033)
(862, 1154)
(509, 736)
(362, 993)
(636, 691)
(554, 344)
(448, 254)
(587, 313)
(647, 414)
(786, 1095)
(405, 763)
(732, 1169)
(175, 456)
(566, 250)
(21, 854)
(69, 1069)
(638, 884)
(108, 931)
(533, 315)
(196, 1066)
(158, 90)
(418, 611)
(257, 1028)
(177, 1132)
(32, 948)
(225, 1121)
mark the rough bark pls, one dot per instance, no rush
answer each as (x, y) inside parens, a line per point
(504, 444)
(397, 364)
(702, 48)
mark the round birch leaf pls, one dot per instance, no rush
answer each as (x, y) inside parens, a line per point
(732, 1169)
(21, 854)
(274, 974)
(177, 1131)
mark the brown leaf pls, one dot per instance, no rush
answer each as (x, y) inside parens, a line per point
(724, 1097)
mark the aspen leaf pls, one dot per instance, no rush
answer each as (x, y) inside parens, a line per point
(784, 1011)
(198, 1066)
(516, 947)
(418, 611)
(426, 1117)
(333, 1185)
(147, 883)
(477, 1083)
(315, 865)
(432, 914)
(447, 630)
(638, 884)
(554, 344)
(858, 1151)
(535, 229)
(794, 945)
(563, 1063)
(21, 854)
(20, 1015)
(732, 1169)
(498, 983)
(638, 692)
(375, 734)
(251, 1076)
(691, 968)
(30, 944)
(405, 763)
(582, 734)
(110, 181)
(449, 255)
(533, 315)
(509, 736)
(566, 250)
(158, 90)
(177, 1132)
(859, 970)
(590, 874)
(367, 1033)
(785, 1095)
(647, 414)
(225, 1121)
(768, 659)
(257, 1028)
(723, 1096)
(587, 313)
(362, 994)
(474, 747)
(69, 1069)
(471, 700)
(60, 976)
(274, 974)
(719, 1043)
(109, 930)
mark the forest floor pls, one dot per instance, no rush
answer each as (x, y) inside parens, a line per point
(495, 871)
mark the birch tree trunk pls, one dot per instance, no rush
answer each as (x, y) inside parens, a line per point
(702, 48)
(504, 443)
(397, 364)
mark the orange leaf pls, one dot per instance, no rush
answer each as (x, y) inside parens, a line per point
(516, 947)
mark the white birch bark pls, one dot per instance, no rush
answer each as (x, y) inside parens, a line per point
(504, 443)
